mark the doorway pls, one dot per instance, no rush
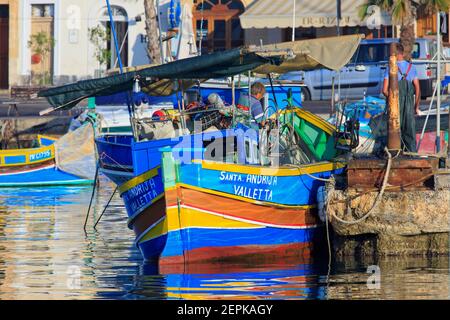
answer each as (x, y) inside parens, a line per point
(42, 31)
(121, 26)
(4, 46)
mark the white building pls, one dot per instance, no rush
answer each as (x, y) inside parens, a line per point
(68, 22)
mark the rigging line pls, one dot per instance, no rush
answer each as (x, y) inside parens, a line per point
(103, 155)
(201, 30)
(105, 207)
(121, 46)
(329, 248)
(310, 175)
(92, 197)
(113, 29)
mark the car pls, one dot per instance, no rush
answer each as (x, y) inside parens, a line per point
(364, 74)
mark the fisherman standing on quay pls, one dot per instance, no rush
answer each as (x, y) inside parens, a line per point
(408, 84)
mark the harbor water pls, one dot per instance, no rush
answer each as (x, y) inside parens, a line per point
(45, 254)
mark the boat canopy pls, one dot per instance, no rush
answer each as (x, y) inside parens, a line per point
(332, 53)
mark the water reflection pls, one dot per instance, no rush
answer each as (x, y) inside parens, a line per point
(45, 254)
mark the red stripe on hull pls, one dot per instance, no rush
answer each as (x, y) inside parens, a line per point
(149, 216)
(244, 210)
(27, 167)
(274, 263)
(242, 254)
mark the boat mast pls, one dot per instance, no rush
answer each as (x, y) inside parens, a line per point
(113, 29)
(293, 22)
(130, 104)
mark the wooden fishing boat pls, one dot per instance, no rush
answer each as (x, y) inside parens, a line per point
(217, 210)
(284, 222)
(35, 167)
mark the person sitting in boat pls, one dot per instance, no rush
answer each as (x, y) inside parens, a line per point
(251, 105)
(408, 85)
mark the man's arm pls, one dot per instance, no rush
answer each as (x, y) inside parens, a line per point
(386, 87)
(417, 87)
(257, 112)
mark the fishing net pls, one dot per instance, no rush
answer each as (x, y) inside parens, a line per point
(75, 152)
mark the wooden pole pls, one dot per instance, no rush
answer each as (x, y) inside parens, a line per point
(394, 140)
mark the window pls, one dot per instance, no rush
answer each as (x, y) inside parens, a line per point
(42, 10)
(119, 14)
(370, 53)
(415, 54)
(221, 28)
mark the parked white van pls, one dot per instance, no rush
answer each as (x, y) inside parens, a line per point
(365, 72)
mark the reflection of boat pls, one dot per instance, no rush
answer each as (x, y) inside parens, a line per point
(245, 280)
(50, 196)
(288, 220)
(51, 163)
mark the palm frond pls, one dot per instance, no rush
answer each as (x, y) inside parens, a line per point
(383, 4)
(433, 5)
(399, 10)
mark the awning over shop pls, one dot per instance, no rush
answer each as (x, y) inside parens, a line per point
(308, 13)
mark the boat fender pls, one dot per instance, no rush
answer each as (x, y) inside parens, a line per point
(321, 202)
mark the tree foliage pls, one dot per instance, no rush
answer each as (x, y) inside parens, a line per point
(99, 37)
(404, 13)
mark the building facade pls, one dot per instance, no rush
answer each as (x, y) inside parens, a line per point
(9, 41)
(73, 55)
(217, 24)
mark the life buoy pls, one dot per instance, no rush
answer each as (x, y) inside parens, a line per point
(159, 115)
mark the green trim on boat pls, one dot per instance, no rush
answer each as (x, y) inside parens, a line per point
(119, 129)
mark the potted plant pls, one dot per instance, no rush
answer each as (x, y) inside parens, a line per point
(41, 44)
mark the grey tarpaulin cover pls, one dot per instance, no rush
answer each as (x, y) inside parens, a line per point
(75, 152)
(331, 53)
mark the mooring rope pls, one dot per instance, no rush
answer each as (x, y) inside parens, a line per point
(377, 200)
(310, 175)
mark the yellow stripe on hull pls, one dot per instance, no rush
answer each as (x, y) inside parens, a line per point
(26, 153)
(191, 218)
(277, 172)
(130, 184)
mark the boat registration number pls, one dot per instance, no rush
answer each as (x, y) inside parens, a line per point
(40, 156)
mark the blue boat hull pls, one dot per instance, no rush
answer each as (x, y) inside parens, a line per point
(46, 176)
(135, 167)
